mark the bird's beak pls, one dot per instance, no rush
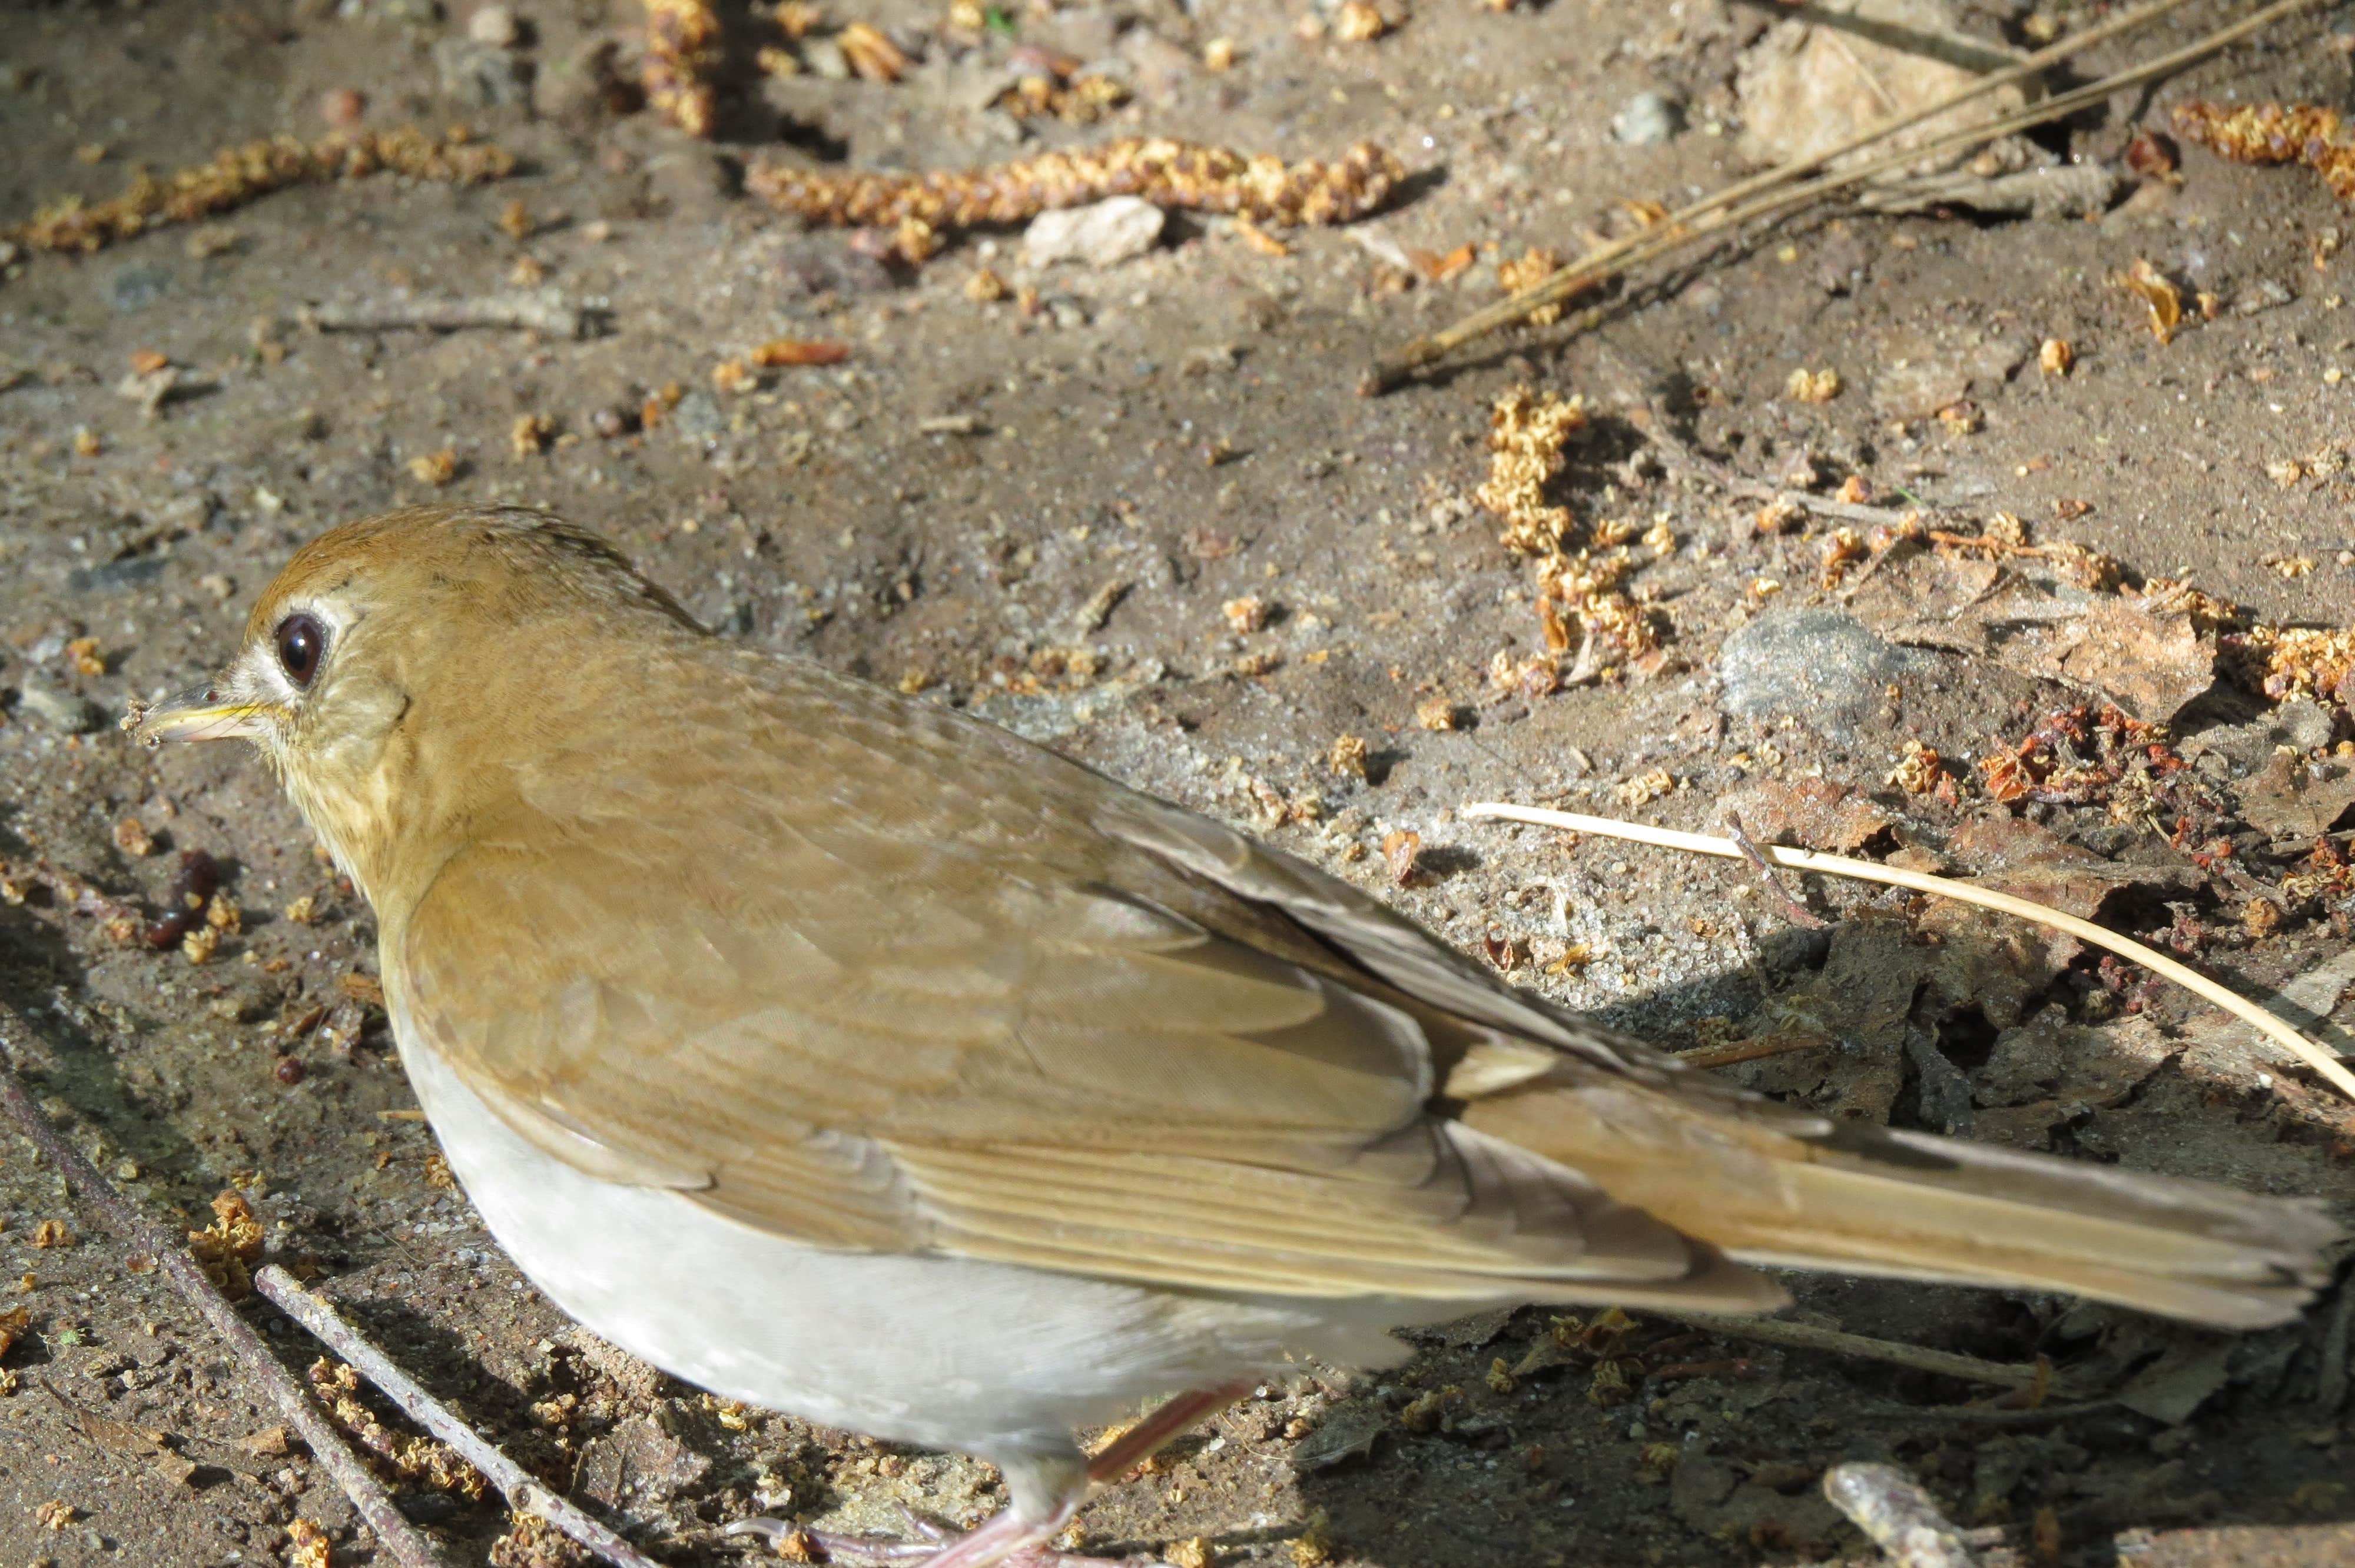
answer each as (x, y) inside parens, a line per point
(200, 713)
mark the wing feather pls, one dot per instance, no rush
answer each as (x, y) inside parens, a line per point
(872, 975)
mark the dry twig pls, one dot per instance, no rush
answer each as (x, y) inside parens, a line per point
(2315, 1056)
(1799, 913)
(1839, 1342)
(1788, 186)
(374, 1506)
(1766, 1045)
(515, 1483)
(542, 310)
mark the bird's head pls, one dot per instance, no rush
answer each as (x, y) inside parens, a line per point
(384, 668)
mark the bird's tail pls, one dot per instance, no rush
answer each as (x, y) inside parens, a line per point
(1772, 1188)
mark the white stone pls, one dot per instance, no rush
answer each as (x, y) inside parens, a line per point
(495, 26)
(1103, 234)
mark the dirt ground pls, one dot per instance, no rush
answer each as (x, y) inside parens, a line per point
(1044, 508)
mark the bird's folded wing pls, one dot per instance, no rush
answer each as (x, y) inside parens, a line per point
(927, 1031)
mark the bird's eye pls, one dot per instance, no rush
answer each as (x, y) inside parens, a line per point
(301, 641)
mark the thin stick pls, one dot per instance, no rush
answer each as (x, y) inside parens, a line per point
(524, 1494)
(1753, 1050)
(541, 312)
(1800, 914)
(1799, 168)
(2240, 1007)
(374, 1506)
(1839, 1342)
(1716, 216)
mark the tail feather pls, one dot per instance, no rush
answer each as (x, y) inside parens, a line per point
(1769, 1187)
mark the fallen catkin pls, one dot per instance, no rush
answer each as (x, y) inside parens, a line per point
(683, 50)
(239, 175)
(2274, 133)
(1166, 172)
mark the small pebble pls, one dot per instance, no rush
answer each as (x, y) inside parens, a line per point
(495, 26)
(54, 706)
(342, 107)
(1102, 234)
(1647, 119)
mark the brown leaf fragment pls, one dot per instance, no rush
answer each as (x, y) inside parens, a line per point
(1810, 813)
(2163, 299)
(1400, 848)
(2293, 798)
(782, 351)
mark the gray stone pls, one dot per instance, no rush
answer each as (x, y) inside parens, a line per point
(2300, 722)
(481, 76)
(1819, 666)
(1102, 234)
(825, 59)
(1647, 119)
(2307, 722)
(138, 285)
(697, 417)
(54, 706)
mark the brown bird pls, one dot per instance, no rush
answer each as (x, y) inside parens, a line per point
(853, 1058)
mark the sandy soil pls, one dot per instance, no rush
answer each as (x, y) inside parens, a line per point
(1042, 513)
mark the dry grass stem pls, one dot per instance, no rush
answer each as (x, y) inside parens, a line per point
(1782, 189)
(2324, 1064)
(1839, 1342)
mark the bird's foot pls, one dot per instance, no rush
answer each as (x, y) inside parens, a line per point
(1004, 1542)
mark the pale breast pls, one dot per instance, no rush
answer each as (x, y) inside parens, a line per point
(942, 1351)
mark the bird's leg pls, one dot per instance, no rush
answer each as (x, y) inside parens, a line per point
(1017, 1537)
(1019, 1542)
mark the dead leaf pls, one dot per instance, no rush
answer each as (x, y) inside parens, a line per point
(1348, 1432)
(2165, 300)
(2191, 1371)
(1809, 813)
(2022, 858)
(2292, 798)
(2152, 666)
(2149, 663)
(1437, 268)
(1803, 91)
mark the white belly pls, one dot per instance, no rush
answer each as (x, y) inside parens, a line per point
(942, 1351)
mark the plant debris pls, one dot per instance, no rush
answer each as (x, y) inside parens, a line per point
(683, 48)
(240, 175)
(227, 1248)
(1169, 174)
(2274, 133)
(419, 1460)
(1526, 432)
